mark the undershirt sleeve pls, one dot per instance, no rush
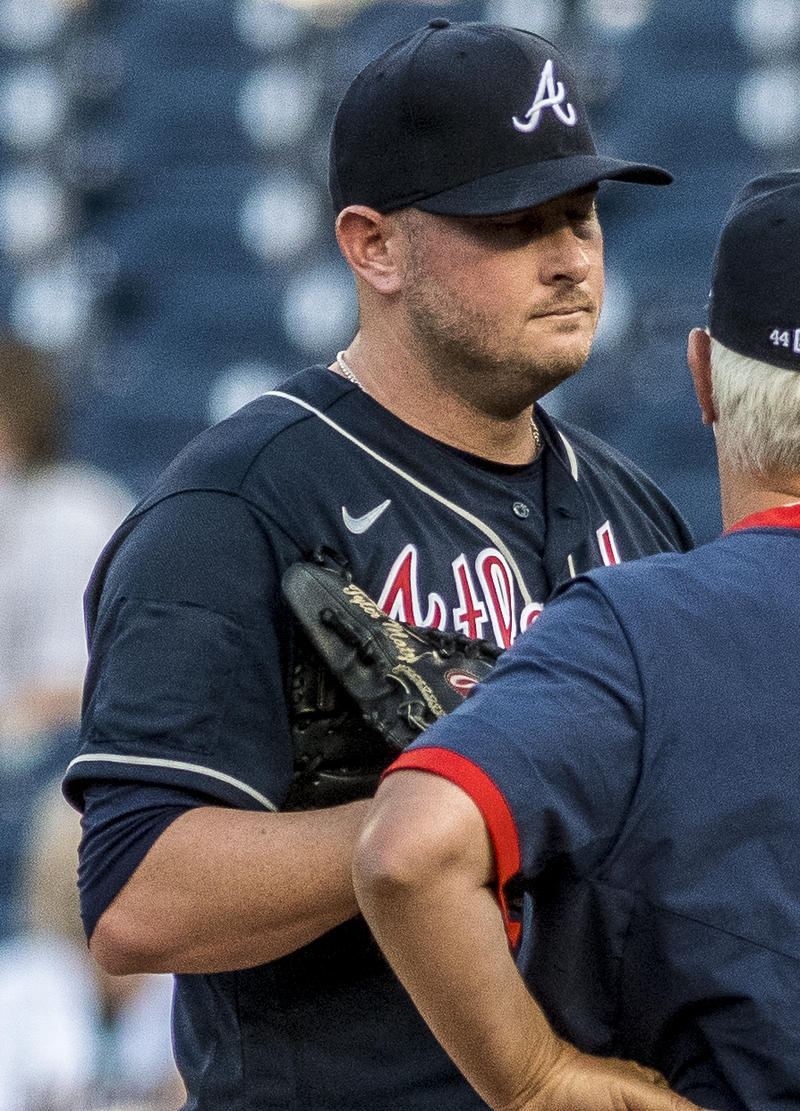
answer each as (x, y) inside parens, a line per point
(121, 822)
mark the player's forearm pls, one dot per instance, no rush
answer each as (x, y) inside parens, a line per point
(450, 952)
(447, 944)
(422, 871)
(224, 889)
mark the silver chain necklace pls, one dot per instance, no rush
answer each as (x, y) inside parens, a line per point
(350, 375)
(346, 371)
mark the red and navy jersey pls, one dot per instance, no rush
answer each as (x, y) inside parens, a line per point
(191, 655)
(636, 757)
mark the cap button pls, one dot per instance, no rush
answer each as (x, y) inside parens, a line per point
(439, 24)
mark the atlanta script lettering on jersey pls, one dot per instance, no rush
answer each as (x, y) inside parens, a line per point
(489, 606)
(488, 600)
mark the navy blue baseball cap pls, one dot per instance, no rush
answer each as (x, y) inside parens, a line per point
(755, 293)
(467, 119)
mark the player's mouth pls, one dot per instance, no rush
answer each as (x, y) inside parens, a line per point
(571, 309)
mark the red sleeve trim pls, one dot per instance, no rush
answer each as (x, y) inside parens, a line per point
(492, 805)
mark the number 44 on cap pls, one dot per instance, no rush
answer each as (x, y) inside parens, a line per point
(786, 339)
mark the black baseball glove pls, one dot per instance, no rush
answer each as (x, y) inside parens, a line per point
(364, 685)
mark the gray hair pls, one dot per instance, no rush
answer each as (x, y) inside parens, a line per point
(758, 412)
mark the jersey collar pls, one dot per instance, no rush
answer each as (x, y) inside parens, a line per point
(782, 516)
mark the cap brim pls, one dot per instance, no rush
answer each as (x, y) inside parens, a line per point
(537, 182)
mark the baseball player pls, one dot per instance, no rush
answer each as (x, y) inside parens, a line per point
(633, 763)
(464, 174)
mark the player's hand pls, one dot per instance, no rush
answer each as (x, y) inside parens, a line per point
(579, 1082)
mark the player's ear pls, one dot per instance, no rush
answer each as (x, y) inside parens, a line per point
(366, 239)
(698, 354)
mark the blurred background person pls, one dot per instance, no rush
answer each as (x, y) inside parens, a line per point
(73, 1038)
(55, 517)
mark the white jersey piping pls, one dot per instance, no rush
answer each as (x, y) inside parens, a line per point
(573, 459)
(180, 765)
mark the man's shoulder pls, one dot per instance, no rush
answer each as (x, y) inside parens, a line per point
(221, 457)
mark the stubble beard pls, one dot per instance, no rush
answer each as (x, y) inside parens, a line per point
(463, 354)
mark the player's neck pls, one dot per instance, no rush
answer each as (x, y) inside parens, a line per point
(408, 391)
(745, 493)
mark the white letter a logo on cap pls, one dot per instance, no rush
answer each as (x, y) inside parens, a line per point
(549, 94)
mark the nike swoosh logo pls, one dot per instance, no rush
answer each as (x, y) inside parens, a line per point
(361, 524)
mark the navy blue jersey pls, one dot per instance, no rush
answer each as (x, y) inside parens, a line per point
(636, 756)
(191, 654)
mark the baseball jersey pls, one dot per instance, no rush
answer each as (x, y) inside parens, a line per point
(636, 757)
(191, 655)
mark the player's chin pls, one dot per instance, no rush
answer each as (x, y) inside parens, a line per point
(559, 361)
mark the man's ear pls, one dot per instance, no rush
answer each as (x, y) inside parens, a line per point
(698, 354)
(368, 239)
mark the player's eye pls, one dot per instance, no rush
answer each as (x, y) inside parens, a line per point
(517, 227)
(583, 219)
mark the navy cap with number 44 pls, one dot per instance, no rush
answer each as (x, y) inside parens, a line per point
(755, 285)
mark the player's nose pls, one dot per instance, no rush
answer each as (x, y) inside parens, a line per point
(564, 255)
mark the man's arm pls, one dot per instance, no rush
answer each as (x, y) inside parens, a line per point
(223, 889)
(423, 873)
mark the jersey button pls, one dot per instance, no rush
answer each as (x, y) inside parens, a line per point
(521, 509)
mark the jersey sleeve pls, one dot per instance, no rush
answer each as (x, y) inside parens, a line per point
(185, 685)
(549, 744)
